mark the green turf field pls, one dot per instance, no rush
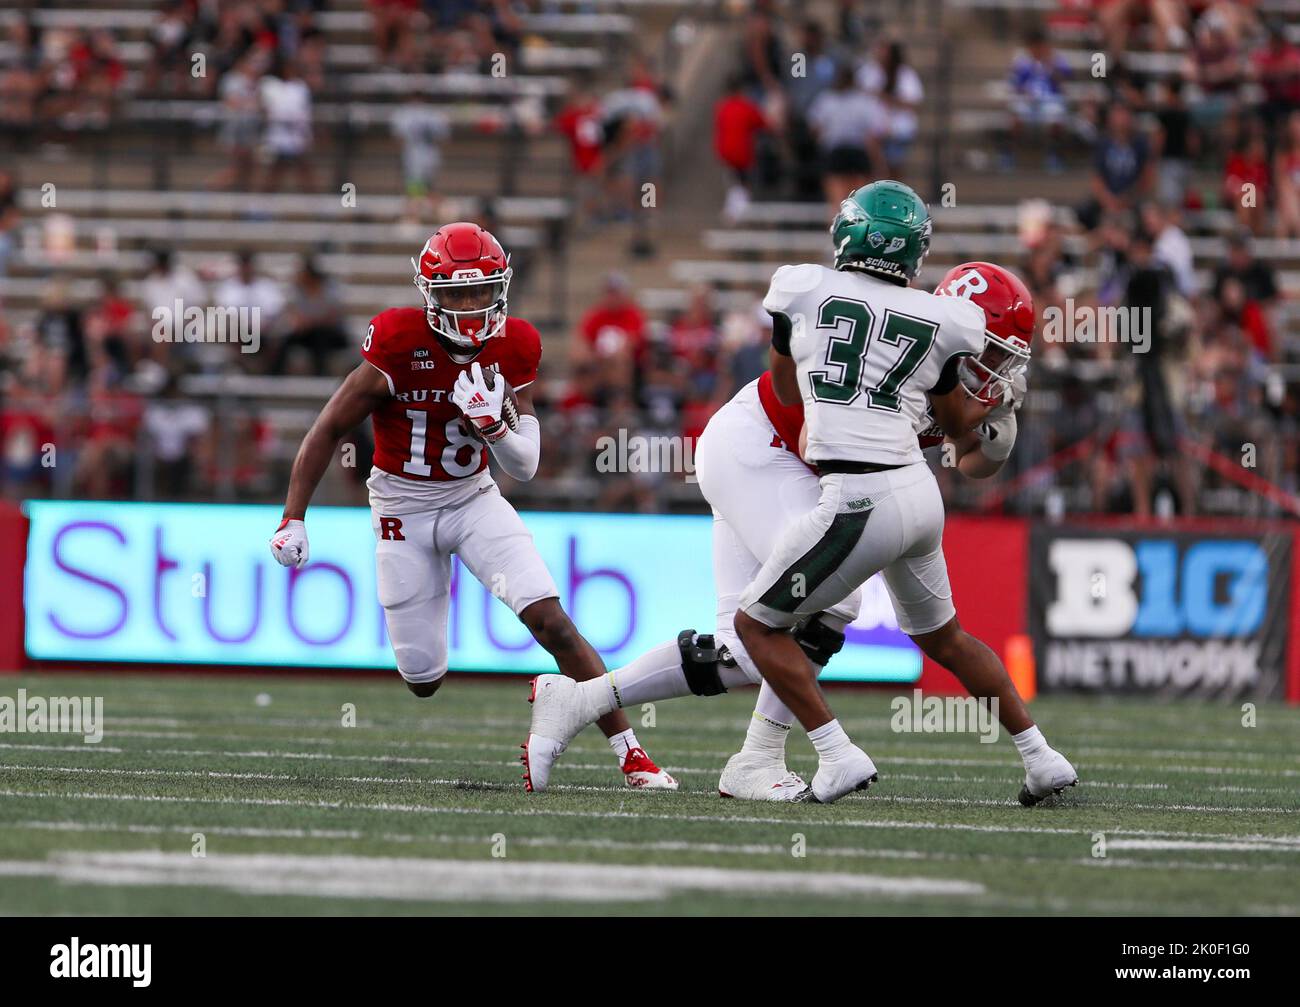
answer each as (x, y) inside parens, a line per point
(407, 811)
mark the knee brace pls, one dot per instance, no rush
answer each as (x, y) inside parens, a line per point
(818, 640)
(701, 659)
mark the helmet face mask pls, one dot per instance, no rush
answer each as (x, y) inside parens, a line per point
(463, 275)
(473, 320)
(1009, 327)
(988, 377)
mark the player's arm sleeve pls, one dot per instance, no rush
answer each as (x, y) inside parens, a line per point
(781, 327)
(948, 377)
(519, 451)
(372, 350)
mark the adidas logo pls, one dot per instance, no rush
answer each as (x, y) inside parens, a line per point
(478, 400)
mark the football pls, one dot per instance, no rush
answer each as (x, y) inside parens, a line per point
(509, 407)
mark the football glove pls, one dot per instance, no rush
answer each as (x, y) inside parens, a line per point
(997, 434)
(289, 544)
(480, 402)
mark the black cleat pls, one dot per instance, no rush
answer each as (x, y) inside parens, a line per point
(1029, 800)
(806, 796)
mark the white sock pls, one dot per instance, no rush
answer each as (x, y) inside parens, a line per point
(623, 743)
(1031, 744)
(829, 739)
(769, 705)
(765, 737)
(656, 674)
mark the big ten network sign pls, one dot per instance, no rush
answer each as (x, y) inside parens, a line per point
(1174, 613)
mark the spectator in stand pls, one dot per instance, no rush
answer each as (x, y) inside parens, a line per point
(106, 447)
(1118, 18)
(848, 124)
(176, 430)
(1258, 287)
(737, 121)
(1155, 429)
(422, 129)
(1246, 184)
(580, 122)
(693, 341)
(168, 69)
(1170, 245)
(287, 109)
(164, 285)
(897, 86)
(763, 60)
(1286, 182)
(1123, 169)
(1217, 65)
(313, 324)
(1038, 76)
(9, 217)
(613, 333)
(1176, 141)
(1276, 67)
(1238, 312)
(241, 115)
(22, 75)
(801, 91)
(388, 20)
(633, 117)
(246, 288)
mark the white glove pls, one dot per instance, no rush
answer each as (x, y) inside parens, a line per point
(997, 434)
(1014, 396)
(480, 402)
(289, 544)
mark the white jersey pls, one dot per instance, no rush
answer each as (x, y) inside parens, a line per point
(867, 351)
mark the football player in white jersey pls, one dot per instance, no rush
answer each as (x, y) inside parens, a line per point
(750, 473)
(865, 353)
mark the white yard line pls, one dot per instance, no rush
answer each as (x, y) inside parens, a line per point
(802, 824)
(464, 880)
(1008, 763)
(417, 780)
(813, 851)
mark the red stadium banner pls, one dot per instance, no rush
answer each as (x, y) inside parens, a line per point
(13, 552)
(987, 563)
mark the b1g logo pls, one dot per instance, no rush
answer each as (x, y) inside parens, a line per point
(1216, 589)
(1177, 613)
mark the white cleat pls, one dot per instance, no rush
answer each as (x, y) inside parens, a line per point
(1051, 775)
(851, 770)
(559, 713)
(751, 777)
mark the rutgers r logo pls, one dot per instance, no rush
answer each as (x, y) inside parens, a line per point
(390, 529)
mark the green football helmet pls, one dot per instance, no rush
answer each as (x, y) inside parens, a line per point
(883, 229)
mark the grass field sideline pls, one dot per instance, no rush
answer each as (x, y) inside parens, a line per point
(411, 810)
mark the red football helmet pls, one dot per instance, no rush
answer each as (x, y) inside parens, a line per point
(465, 265)
(1009, 325)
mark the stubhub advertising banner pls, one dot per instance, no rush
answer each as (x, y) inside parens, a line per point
(195, 583)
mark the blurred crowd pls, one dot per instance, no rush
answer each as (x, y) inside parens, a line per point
(815, 112)
(1189, 120)
(1188, 141)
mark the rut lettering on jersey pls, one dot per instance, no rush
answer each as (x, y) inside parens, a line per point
(419, 432)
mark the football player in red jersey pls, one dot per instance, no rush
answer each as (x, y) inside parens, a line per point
(434, 382)
(750, 468)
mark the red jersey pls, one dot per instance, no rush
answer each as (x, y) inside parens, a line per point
(419, 432)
